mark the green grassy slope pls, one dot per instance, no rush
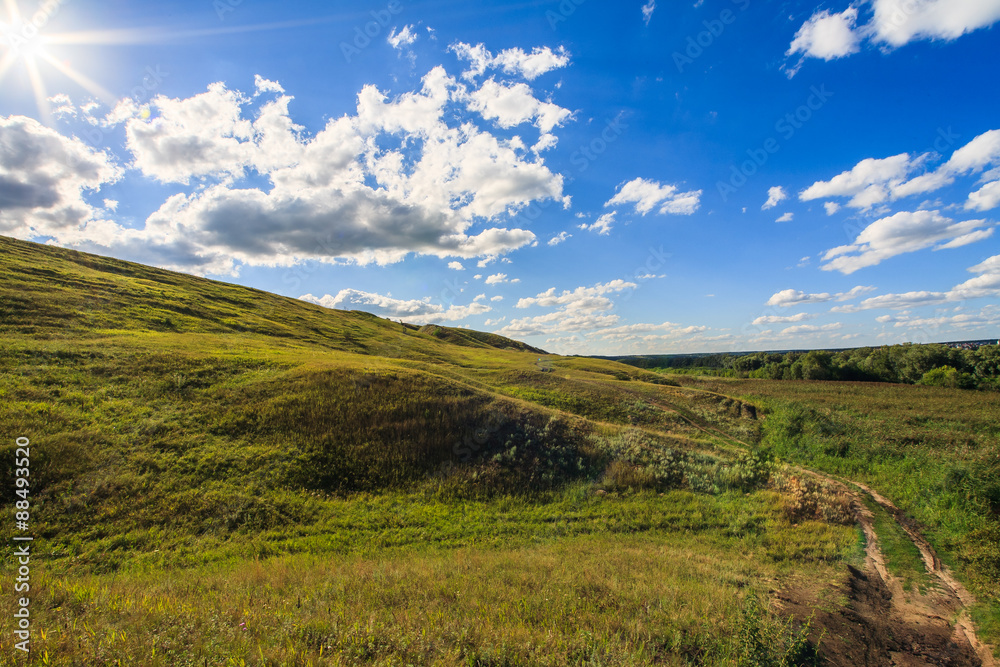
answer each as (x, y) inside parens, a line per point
(169, 409)
(56, 293)
(184, 430)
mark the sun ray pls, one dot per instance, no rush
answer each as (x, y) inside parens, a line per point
(13, 11)
(128, 36)
(123, 37)
(38, 86)
(32, 57)
(6, 62)
(86, 82)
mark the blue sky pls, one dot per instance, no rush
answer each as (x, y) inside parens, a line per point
(589, 177)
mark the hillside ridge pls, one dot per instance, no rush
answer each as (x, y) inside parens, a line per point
(114, 294)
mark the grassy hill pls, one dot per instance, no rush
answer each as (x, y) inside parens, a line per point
(225, 476)
(172, 405)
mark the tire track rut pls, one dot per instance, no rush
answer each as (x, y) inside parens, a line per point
(933, 629)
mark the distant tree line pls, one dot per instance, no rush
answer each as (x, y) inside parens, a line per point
(933, 365)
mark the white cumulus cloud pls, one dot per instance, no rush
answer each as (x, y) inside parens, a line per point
(874, 182)
(513, 61)
(901, 233)
(400, 175)
(827, 36)
(775, 196)
(892, 24)
(793, 297)
(602, 225)
(986, 284)
(418, 311)
(648, 194)
(500, 279)
(514, 104)
(404, 37)
(647, 11)
(782, 319)
(203, 135)
(898, 22)
(868, 183)
(581, 309)
(985, 198)
(801, 329)
(43, 179)
(559, 238)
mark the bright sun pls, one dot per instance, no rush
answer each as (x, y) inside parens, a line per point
(24, 42)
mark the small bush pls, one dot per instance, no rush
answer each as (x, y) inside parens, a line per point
(750, 471)
(947, 376)
(809, 498)
(764, 641)
(621, 476)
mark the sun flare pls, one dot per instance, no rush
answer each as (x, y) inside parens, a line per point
(24, 43)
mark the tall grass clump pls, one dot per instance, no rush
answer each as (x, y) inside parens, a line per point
(642, 460)
(763, 640)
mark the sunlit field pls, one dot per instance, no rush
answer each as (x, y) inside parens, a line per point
(226, 478)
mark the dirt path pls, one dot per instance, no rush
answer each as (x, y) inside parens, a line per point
(899, 626)
(956, 599)
(886, 624)
(883, 624)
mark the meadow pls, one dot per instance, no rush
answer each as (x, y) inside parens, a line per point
(934, 452)
(221, 476)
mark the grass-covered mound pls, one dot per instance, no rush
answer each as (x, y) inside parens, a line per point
(166, 408)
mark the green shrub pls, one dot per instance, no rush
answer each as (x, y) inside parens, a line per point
(764, 641)
(947, 376)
